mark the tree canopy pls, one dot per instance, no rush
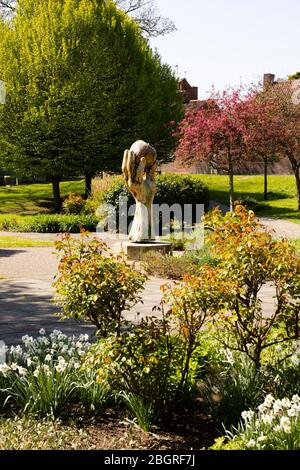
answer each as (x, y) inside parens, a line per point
(144, 12)
(295, 76)
(82, 84)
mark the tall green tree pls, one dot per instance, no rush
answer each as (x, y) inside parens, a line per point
(45, 62)
(82, 84)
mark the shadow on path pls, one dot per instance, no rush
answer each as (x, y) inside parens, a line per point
(10, 252)
(26, 307)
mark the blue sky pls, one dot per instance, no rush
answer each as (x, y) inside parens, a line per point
(223, 42)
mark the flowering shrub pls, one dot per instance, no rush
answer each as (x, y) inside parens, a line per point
(94, 284)
(248, 259)
(43, 377)
(275, 426)
(143, 361)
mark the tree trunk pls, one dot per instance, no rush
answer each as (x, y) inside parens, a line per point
(297, 176)
(231, 185)
(88, 184)
(231, 192)
(296, 169)
(265, 180)
(56, 194)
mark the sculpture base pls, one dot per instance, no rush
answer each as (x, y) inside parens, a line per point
(137, 251)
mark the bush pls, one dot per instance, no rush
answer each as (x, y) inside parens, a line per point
(181, 189)
(143, 365)
(51, 223)
(73, 204)
(153, 366)
(94, 284)
(249, 258)
(171, 189)
(100, 186)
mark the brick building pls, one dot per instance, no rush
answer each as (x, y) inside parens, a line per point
(189, 93)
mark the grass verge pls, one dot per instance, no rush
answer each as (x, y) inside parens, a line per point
(15, 242)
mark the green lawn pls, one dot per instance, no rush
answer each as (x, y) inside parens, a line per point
(282, 202)
(16, 242)
(33, 198)
(22, 201)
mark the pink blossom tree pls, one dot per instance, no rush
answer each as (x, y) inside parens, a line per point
(262, 129)
(238, 124)
(289, 137)
(216, 133)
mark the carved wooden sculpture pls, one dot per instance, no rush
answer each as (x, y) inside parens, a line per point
(139, 167)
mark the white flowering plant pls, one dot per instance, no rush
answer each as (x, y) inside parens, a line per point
(44, 376)
(48, 348)
(283, 369)
(231, 387)
(26, 433)
(274, 425)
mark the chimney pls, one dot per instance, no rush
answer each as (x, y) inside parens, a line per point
(194, 93)
(269, 79)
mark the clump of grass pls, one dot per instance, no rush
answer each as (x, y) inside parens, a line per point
(143, 413)
(166, 266)
(175, 267)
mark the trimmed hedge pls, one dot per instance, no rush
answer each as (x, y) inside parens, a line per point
(51, 223)
(171, 189)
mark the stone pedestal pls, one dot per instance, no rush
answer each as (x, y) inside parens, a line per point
(137, 251)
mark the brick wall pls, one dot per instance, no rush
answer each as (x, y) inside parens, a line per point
(282, 167)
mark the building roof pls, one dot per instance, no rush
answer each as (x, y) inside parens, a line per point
(287, 90)
(194, 105)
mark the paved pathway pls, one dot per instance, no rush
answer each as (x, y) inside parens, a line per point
(26, 296)
(283, 228)
(26, 293)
